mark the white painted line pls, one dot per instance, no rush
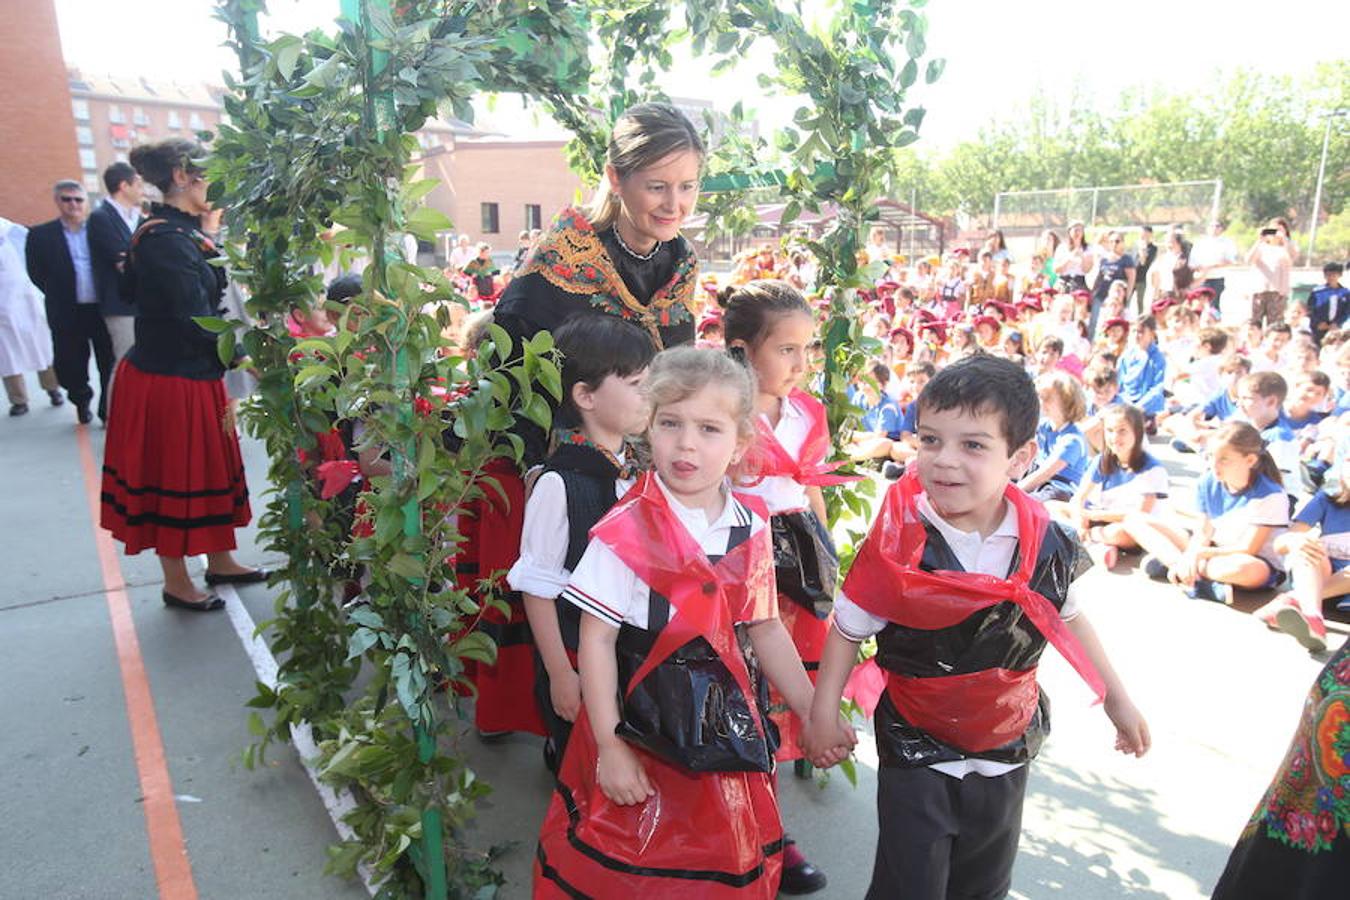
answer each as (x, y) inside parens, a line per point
(302, 738)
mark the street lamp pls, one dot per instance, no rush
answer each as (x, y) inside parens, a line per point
(1321, 172)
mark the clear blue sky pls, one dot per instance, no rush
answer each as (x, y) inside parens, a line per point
(997, 53)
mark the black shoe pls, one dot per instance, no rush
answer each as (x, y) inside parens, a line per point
(210, 604)
(83, 415)
(57, 398)
(19, 409)
(802, 878)
(801, 768)
(891, 471)
(257, 576)
(1154, 568)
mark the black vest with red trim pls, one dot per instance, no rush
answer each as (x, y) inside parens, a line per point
(998, 636)
(689, 709)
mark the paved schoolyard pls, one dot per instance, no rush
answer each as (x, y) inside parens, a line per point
(1221, 693)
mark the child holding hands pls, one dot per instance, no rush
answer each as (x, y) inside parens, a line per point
(665, 788)
(959, 632)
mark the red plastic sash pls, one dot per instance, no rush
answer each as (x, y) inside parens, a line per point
(886, 581)
(708, 599)
(810, 468)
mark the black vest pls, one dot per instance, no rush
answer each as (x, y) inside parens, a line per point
(588, 479)
(689, 710)
(998, 636)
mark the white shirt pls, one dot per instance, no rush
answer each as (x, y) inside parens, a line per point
(460, 256)
(603, 586)
(987, 556)
(131, 215)
(540, 570)
(1213, 251)
(781, 494)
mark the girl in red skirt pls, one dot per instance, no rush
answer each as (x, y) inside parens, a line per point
(173, 478)
(768, 327)
(666, 792)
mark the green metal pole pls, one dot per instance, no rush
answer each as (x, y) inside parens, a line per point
(380, 118)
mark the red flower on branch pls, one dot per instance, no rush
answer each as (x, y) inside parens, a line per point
(336, 475)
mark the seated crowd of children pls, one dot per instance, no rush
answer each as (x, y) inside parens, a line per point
(1267, 406)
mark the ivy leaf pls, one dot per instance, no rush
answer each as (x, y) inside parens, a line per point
(476, 646)
(287, 49)
(935, 68)
(213, 324)
(225, 345)
(850, 770)
(425, 222)
(406, 567)
(362, 639)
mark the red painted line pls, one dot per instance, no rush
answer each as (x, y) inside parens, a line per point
(168, 852)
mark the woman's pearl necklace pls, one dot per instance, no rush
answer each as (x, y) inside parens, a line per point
(631, 252)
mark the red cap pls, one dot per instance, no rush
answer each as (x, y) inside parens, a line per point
(1160, 305)
(1114, 321)
(1031, 301)
(1009, 310)
(710, 318)
(986, 320)
(1081, 294)
(1202, 291)
(901, 330)
(939, 330)
(926, 315)
(884, 286)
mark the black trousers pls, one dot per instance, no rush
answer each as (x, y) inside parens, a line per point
(70, 347)
(945, 838)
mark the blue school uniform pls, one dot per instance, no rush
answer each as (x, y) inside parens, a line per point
(1067, 445)
(909, 418)
(1094, 410)
(1335, 521)
(1330, 305)
(1124, 488)
(884, 417)
(1141, 375)
(1263, 503)
(1220, 406)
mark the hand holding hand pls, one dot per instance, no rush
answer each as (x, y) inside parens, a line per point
(828, 744)
(621, 776)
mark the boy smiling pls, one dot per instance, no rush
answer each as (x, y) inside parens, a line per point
(962, 580)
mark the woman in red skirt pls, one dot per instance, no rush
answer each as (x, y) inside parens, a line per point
(173, 478)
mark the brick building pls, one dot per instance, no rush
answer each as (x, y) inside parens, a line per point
(114, 113)
(35, 112)
(493, 187)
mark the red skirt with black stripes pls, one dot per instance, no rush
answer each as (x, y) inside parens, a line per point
(173, 478)
(702, 836)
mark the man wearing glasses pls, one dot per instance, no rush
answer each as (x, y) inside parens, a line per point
(59, 264)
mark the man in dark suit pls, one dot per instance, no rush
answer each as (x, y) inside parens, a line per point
(59, 263)
(110, 228)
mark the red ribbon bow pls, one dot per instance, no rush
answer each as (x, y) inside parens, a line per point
(810, 468)
(708, 599)
(886, 581)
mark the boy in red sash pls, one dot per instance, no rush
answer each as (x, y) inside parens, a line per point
(963, 579)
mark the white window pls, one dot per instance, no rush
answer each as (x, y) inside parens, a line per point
(81, 108)
(87, 160)
(92, 183)
(174, 121)
(195, 122)
(85, 135)
(139, 117)
(115, 114)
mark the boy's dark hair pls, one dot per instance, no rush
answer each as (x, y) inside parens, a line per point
(1054, 343)
(1268, 384)
(981, 384)
(116, 175)
(1147, 322)
(1214, 339)
(344, 287)
(1333, 268)
(752, 308)
(1280, 328)
(1319, 378)
(593, 348)
(923, 368)
(881, 373)
(908, 293)
(1256, 323)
